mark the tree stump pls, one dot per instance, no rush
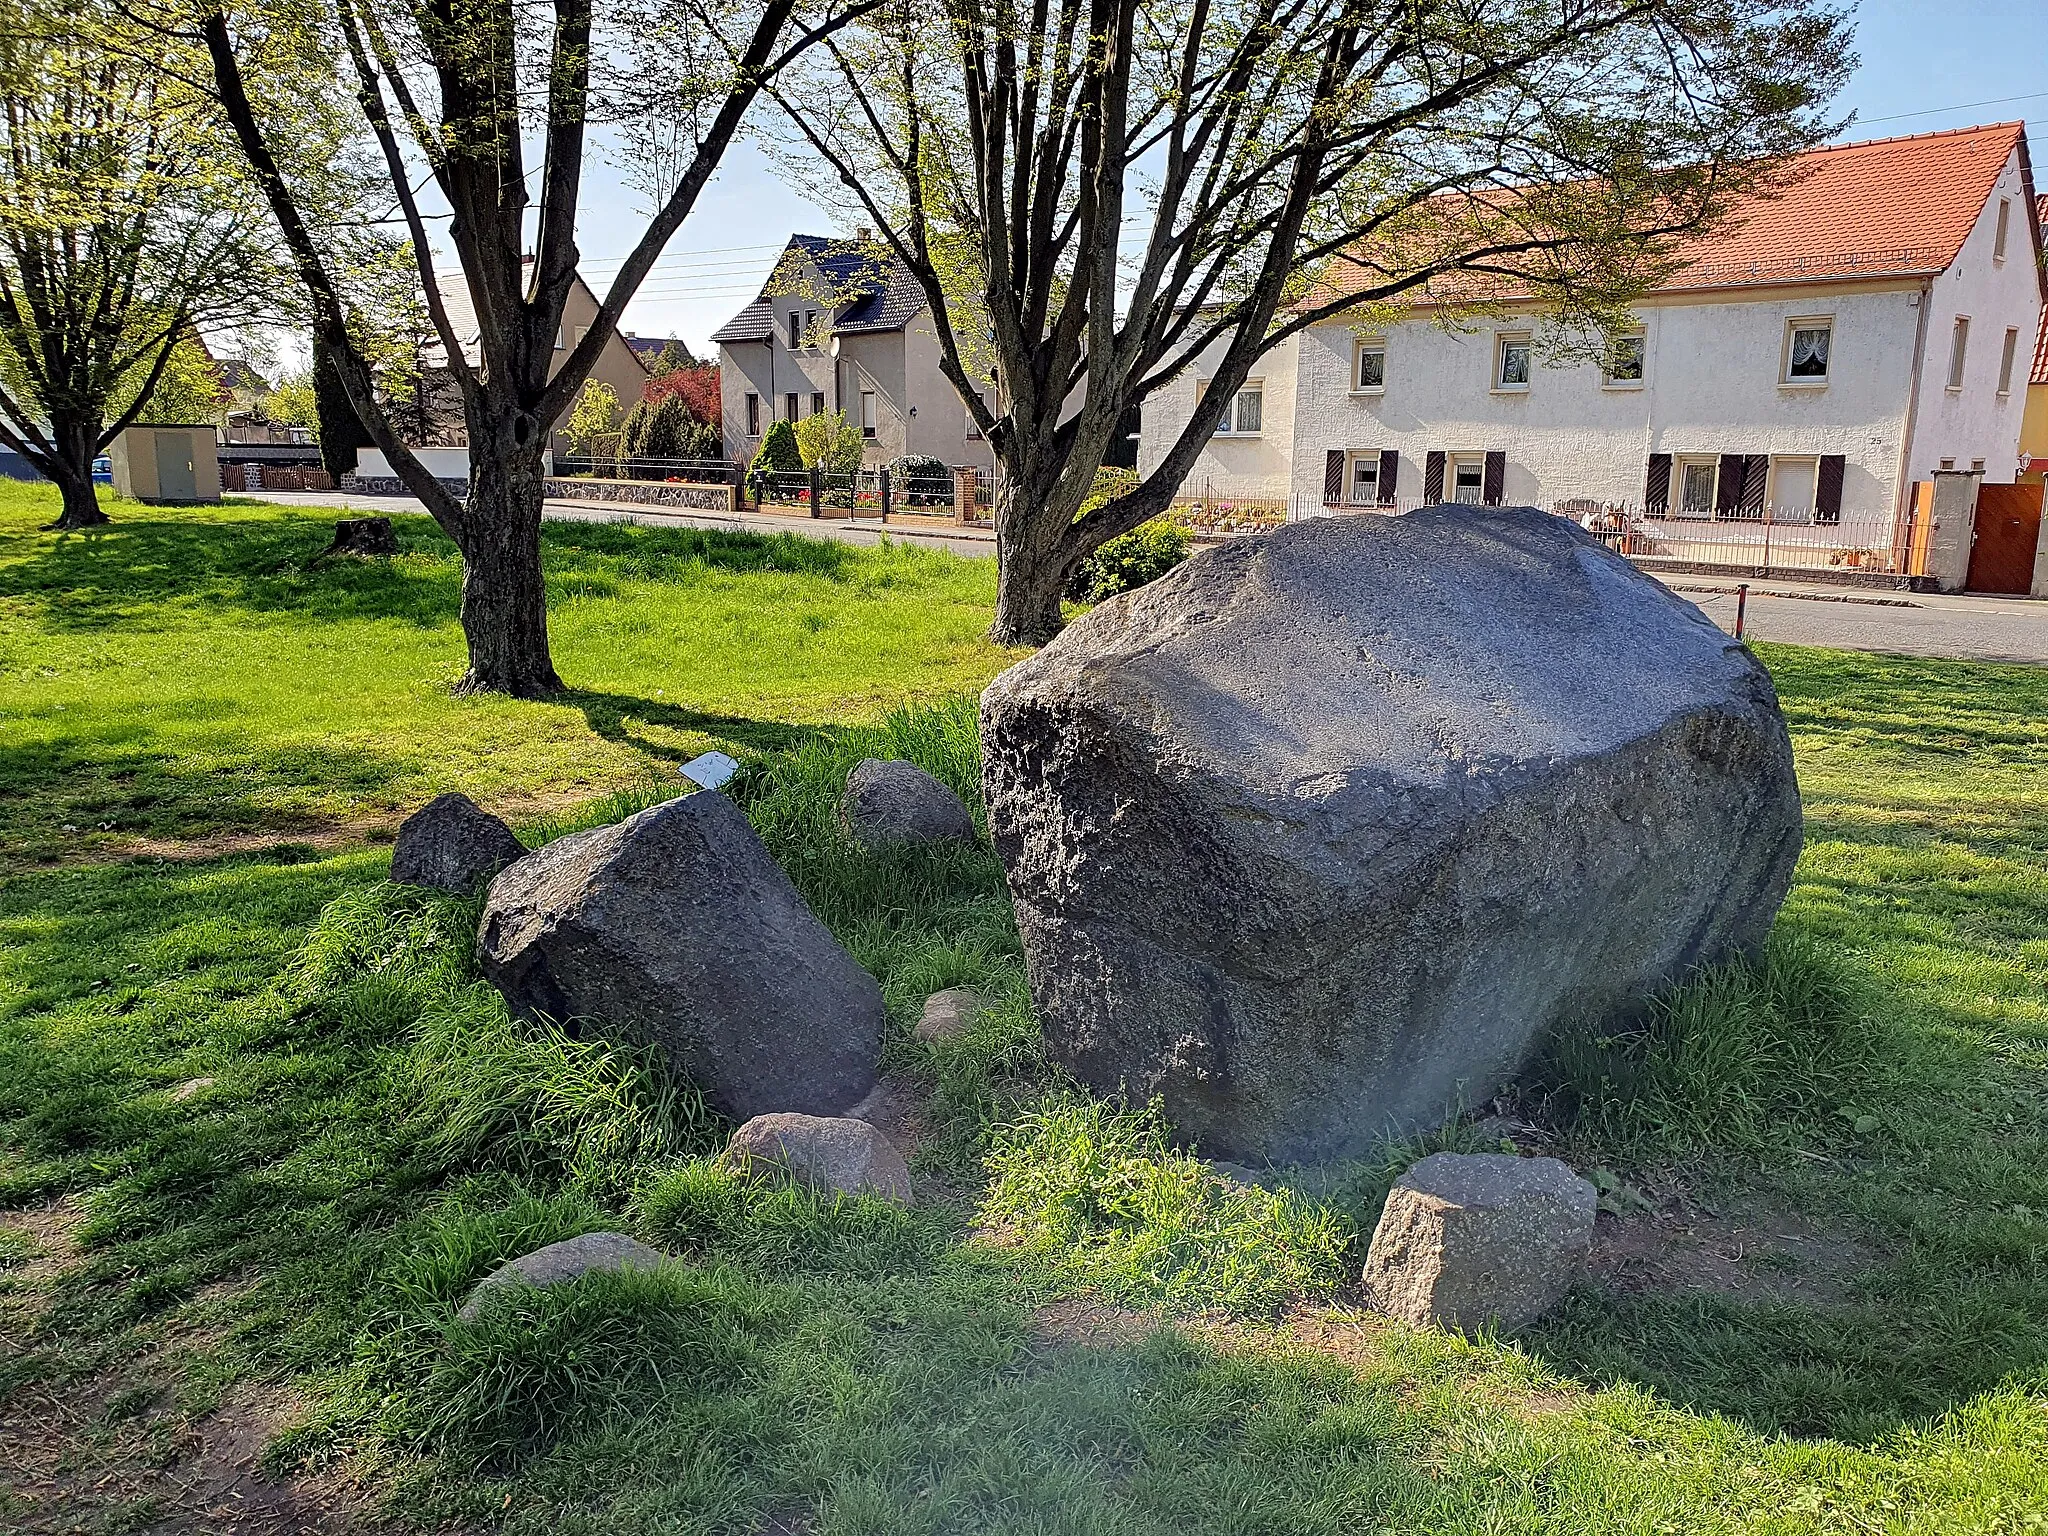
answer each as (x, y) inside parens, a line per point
(367, 537)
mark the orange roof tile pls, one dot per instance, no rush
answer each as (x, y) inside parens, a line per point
(1887, 207)
(1884, 208)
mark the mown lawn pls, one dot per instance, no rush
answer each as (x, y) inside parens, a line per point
(1080, 1330)
(186, 674)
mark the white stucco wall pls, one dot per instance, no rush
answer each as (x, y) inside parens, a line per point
(1976, 422)
(1711, 386)
(441, 463)
(940, 426)
(1261, 465)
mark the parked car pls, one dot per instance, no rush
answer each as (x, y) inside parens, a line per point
(103, 470)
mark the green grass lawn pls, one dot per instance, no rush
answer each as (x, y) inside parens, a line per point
(188, 673)
(1844, 1324)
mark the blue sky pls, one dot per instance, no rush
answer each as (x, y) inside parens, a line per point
(1925, 67)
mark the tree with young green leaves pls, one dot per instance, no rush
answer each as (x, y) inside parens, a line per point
(1093, 195)
(828, 440)
(596, 412)
(127, 226)
(189, 391)
(482, 110)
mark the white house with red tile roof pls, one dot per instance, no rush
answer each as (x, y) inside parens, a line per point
(1839, 342)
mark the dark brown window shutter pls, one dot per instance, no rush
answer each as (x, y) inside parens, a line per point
(1756, 479)
(1728, 485)
(1433, 476)
(1390, 475)
(1333, 477)
(1827, 491)
(1496, 477)
(1657, 486)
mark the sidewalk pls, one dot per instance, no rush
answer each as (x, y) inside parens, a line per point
(868, 530)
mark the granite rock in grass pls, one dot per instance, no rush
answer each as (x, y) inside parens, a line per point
(567, 1260)
(1316, 836)
(947, 1013)
(890, 801)
(675, 928)
(825, 1154)
(451, 844)
(1468, 1239)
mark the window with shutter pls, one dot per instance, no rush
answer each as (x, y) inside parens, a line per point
(1333, 477)
(1657, 486)
(1496, 478)
(1390, 475)
(1433, 476)
(1827, 496)
(1728, 486)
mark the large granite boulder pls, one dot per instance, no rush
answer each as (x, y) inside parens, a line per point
(1315, 836)
(570, 1259)
(890, 801)
(1468, 1239)
(452, 844)
(676, 928)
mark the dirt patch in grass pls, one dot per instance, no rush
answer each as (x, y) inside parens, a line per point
(1077, 1320)
(1751, 1251)
(51, 1233)
(109, 1451)
(98, 1441)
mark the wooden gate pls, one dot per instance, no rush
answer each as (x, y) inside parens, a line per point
(2008, 532)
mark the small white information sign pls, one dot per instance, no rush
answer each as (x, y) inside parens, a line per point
(711, 771)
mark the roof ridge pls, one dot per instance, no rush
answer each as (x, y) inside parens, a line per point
(2017, 125)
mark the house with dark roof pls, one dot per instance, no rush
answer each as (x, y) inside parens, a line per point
(1832, 348)
(841, 325)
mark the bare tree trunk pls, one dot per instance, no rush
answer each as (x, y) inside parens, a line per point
(77, 444)
(81, 505)
(1031, 568)
(504, 600)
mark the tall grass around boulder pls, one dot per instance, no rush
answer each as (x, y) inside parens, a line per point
(1096, 1191)
(1740, 1056)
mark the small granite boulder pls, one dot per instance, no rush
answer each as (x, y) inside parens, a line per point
(890, 801)
(676, 928)
(846, 1156)
(450, 844)
(1473, 1238)
(564, 1261)
(947, 1013)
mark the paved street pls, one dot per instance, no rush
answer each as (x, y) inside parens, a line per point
(1856, 619)
(1853, 618)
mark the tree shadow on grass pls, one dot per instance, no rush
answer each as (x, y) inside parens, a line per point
(108, 793)
(615, 716)
(119, 577)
